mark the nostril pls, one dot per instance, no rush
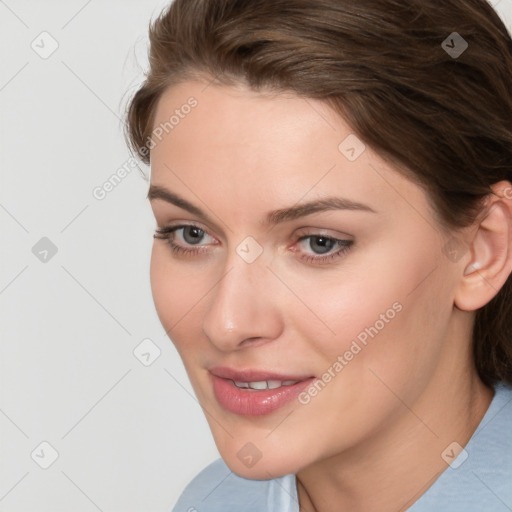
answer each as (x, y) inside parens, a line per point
(255, 341)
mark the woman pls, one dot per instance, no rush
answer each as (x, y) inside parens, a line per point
(331, 182)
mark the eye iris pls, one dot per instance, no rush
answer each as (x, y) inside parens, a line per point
(325, 244)
(197, 235)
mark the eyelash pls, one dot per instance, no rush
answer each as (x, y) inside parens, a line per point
(167, 233)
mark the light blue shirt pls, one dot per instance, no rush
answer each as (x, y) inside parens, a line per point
(478, 479)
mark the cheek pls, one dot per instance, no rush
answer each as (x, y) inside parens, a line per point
(388, 310)
(161, 287)
(180, 294)
(175, 290)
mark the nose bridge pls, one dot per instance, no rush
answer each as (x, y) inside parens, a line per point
(242, 304)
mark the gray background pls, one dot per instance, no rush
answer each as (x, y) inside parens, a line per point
(121, 421)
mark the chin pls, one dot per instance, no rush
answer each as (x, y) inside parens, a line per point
(265, 468)
(262, 459)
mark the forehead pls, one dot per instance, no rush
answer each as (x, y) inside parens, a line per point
(241, 118)
(267, 148)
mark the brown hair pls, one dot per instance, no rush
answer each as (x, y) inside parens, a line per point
(442, 119)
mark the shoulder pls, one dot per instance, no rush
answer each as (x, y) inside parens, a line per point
(480, 476)
(217, 489)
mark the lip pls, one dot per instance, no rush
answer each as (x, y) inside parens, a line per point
(250, 375)
(254, 402)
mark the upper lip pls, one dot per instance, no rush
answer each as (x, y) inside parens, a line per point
(253, 375)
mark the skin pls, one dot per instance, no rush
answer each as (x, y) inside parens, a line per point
(372, 439)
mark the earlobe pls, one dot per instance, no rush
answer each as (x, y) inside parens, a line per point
(491, 252)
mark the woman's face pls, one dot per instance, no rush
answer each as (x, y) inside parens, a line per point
(340, 308)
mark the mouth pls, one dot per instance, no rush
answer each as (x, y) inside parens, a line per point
(264, 384)
(254, 392)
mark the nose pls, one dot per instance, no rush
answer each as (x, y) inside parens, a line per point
(243, 307)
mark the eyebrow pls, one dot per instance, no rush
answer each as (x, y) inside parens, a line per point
(273, 217)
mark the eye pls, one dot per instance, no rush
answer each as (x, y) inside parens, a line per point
(190, 234)
(323, 246)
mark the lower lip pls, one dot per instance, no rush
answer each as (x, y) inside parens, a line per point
(256, 402)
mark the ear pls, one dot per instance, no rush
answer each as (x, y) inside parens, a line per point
(490, 250)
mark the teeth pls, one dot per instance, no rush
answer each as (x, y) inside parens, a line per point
(264, 384)
(258, 385)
